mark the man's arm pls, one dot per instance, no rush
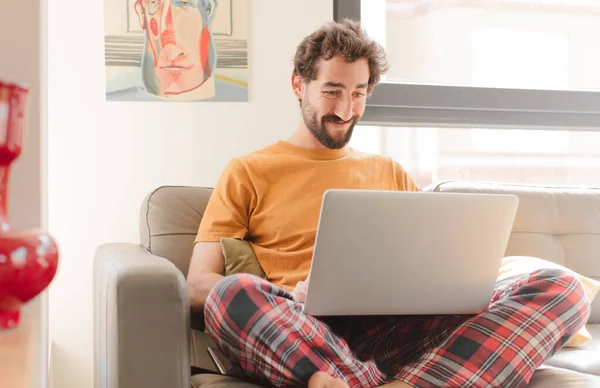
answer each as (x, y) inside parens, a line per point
(207, 267)
(227, 214)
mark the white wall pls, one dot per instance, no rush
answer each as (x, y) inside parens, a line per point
(20, 61)
(22, 45)
(105, 157)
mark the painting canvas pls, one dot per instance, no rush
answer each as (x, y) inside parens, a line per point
(176, 50)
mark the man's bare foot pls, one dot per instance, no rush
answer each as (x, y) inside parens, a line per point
(396, 384)
(323, 380)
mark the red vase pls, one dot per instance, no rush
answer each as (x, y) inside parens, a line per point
(28, 258)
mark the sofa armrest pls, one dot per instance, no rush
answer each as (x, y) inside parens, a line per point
(141, 320)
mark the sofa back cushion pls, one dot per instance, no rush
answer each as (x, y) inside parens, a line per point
(559, 224)
(169, 220)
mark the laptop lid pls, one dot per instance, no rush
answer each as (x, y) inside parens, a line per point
(407, 253)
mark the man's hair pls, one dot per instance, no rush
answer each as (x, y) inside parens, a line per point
(346, 39)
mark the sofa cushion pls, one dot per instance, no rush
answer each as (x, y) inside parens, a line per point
(169, 221)
(240, 258)
(551, 377)
(559, 224)
(218, 381)
(544, 377)
(583, 359)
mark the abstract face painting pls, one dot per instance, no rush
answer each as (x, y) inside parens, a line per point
(178, 54)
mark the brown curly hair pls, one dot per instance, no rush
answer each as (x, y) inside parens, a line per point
(345, 38)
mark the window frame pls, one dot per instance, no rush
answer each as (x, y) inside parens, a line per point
(408, 104)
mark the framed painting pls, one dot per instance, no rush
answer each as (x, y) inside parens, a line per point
(176, 50)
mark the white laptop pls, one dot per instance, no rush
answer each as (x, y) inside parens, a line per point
(407, 253)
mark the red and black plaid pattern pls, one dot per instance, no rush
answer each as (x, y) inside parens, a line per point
(263, 330)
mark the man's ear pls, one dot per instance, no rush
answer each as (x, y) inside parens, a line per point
(298, 86)
(139, 10)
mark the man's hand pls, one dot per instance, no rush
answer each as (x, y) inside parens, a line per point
(299, 292)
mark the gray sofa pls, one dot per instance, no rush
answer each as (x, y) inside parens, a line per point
(141, 311)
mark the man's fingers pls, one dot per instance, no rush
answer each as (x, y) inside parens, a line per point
(299, 292)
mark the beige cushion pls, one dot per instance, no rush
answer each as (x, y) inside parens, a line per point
(240, 258)
(556, 224)
(169, 220)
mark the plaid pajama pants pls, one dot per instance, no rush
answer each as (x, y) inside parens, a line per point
(260, 328)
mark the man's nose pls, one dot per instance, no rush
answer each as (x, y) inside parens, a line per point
(344, 109)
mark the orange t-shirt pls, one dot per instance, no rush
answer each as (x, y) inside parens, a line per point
(272, 198)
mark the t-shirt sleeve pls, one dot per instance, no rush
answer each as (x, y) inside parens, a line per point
(227, 213)
(403, 180)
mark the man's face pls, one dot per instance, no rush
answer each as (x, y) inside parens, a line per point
(179, 47)
(334, 102)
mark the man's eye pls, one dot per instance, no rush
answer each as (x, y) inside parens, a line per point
(359, 94)
(331, 92)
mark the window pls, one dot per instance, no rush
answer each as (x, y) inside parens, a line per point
(489, 63)
(432, 155)
(492, 90)
(503, 57)
(432, 41)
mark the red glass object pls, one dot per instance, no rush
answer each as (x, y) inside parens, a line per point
(28, 258)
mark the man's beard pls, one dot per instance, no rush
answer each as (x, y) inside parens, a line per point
(319, 130)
